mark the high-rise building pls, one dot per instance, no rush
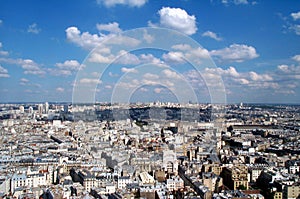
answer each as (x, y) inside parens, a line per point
(66, 108)
(40, 109)
(21, 109)
(30, 110)
(46, 108)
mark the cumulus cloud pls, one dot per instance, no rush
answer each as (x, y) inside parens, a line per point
(128, 70)
(150, 76)
(295, 15)
(238, 2)
(89, 41)
(185, 51)
(127, 58)
(292, 70)
(295, 28)
(211, 35)
(2, 52)
(24, 81)
(98, 57)
(173, 57)
(130, 3)
(171, 74)
(85, 39)
(147, 37)
(235, 53)
(33, 28)
(72, 65)
(110, 27)
(90, 81)
(60, 89)
(262, 77)
(177, 19)
(149, 58)
(29, 66)
(3, 72)
(296, 58)
(158, 90)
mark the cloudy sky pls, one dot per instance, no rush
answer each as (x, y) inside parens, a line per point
(148, 50)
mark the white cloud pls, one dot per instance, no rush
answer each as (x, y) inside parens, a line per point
(158, 90)
(236, 53)
(197, 54)
(130, 3)
(3, 53)
(127, 58)
(296, 28)
(283, 68)
(72, 65)
(178, 19)
(171, 74)
(292, 70)
(108, 86)
(296, 58)
(231, 71)
(182, 47)
(243, 81)
(174, 57)
(97, 57)
(102, 53)
(24, 81)
(192, 54)
(295, 15)
(147, 37)
(143, 89)
(149, 58)
(59, 72)
(113, 75)
(85, 40)
(262, 77)
(237, 2)
(110, 27)
(150, 76)
(29, 66)
(60, 89)
(90, 81)
(128, 70)
(3, 72)
(33, 28)
(211, 35)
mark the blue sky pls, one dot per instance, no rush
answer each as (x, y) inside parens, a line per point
(46, 47)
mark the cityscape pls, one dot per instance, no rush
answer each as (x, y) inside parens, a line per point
(128, 99)
(157, 151)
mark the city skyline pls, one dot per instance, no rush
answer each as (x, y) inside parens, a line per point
(253, 45)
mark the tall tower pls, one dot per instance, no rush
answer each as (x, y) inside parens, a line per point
(21, 109)
(46, 107)
(40, 109)
(30, 110)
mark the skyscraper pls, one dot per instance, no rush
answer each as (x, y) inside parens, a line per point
(46, 108)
